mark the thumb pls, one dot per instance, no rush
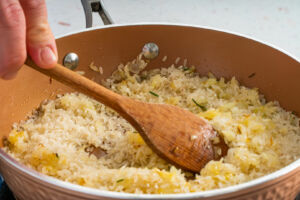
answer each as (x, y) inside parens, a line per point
(39, 38)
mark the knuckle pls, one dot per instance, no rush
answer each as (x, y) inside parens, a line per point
(34, 4)
(12, 15)
(39, 33)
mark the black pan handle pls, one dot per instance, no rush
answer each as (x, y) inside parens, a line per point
(91, 6)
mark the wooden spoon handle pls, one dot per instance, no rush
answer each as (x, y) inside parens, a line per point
(80, 83)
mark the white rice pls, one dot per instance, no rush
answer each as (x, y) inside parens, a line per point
(101, 70)
(177, 60)
(58, 139)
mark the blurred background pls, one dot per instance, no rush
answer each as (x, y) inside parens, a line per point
(273, 21)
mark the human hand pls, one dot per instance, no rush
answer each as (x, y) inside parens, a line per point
(24, 26)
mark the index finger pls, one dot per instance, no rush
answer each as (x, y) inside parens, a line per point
(12, 40)
(40, 41)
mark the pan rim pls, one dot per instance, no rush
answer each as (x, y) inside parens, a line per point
(66, 186)
(183, 25)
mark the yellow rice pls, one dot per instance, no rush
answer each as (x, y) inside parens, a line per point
(261, 135)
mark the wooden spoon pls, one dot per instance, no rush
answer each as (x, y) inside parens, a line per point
(175, 134)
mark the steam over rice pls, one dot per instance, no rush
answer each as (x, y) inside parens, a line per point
(76, 139)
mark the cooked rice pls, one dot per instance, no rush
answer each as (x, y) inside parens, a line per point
(93, 67)
(101, 70)
(80, 72)
(185, 62)
(177, 60)
(58, 140)
(164, 59)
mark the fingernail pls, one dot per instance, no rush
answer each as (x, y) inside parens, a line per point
(47, 56)
(9, 75)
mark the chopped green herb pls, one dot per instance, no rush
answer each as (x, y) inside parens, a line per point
(200, 106)
(294, 113)
(143, 77)
(186, 68)
(120, 180)
(153, 93)
(56, 154)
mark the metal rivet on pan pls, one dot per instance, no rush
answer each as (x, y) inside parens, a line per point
(150, 51)
(71, 61)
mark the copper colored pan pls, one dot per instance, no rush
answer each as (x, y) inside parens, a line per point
(253, 63)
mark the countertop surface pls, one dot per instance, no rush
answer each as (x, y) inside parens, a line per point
(276, 22)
